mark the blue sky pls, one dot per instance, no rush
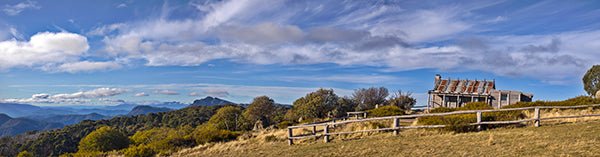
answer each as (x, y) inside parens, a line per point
(68, 52)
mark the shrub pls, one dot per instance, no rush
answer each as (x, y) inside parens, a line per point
(104, 139)
(139, 151)
(442, 110)
(460, 123)
(285, 124)
(165, 140)
(25, 154)
(385, 111)
(403, 100)
(208, 133)
(271, 138)
(84, 154)
(475, 106)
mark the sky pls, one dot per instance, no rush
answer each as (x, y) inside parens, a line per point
(70, 52)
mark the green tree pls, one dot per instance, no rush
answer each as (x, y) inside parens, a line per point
(591, 80)
(228, 118)
(344, 104)
(404, 101)
(104, 139)
(25, 154)
(367, 98)
(261, 109)
(318, 104)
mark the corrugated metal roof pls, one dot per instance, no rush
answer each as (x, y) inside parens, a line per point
(464, 86)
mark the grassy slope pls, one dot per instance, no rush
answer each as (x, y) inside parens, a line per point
(573, 139)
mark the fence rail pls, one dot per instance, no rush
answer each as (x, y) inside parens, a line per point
(397, 119)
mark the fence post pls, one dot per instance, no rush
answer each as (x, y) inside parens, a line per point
(478, 120)
(290, 135)
(536, 116)
(365, 115)
(396, 126)
(326, 134)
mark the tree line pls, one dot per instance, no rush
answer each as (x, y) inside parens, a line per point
(166, 132)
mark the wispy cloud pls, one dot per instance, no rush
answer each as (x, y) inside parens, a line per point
(69, 98)
(16, 9)
(166, 92)
(142, 94)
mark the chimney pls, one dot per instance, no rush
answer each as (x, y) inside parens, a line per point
(437, 80)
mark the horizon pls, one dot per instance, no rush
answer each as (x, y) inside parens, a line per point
(100, 53)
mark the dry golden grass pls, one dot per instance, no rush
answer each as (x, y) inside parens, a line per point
(552, 139)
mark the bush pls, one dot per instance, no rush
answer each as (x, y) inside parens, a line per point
(85, 154)
(25, 154)
(285, 124)
(475, 106)
(271, 138)
(385, 111)
(104, 139)
(442, 110)
(460, 123)
(208, 133)
(139, 151)
(165, 140)
(580, 100)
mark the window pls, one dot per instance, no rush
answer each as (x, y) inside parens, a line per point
(503, 97)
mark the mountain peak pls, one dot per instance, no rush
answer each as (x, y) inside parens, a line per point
(210, 101)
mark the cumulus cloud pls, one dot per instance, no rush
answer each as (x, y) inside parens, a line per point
(44, 48)
(70, 98)
(166, 92)
(381, 34)
(16, 9)
(96, 93)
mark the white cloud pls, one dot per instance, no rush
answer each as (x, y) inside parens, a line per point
(69, 98)
(16, 9)
(387, 36)
(42, 49)
(122, 5)
(216, 92)
(142, 94)
(86, 66)
(96, 93)
(194, 94)
(363, 79)
(166, 92)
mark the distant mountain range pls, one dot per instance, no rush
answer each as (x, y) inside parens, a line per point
(210, 101)
(145, 109)
(22, 110)
(69, 119)
(12, 126)
(20, 118)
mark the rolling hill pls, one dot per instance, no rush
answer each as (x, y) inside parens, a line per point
(12, 126)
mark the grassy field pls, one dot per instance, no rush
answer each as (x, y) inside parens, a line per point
(571, 139)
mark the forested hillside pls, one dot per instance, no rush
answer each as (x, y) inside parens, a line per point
(65, 140)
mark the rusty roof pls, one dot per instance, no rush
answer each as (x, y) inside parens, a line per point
(464, 86)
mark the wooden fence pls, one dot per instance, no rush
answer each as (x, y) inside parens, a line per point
(396, 127)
